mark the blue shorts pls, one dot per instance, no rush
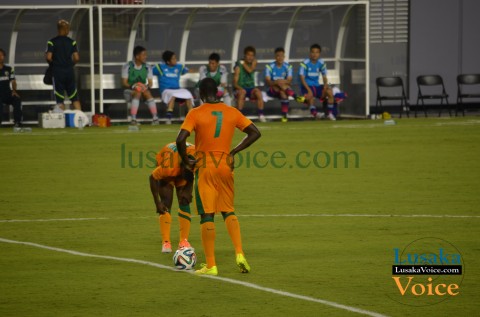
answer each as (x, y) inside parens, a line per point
(272, 93)
(248, 93)
(317, 91)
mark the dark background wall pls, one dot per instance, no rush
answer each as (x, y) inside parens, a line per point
(444, 40)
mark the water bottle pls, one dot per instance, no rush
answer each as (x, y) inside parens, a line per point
(80, 123)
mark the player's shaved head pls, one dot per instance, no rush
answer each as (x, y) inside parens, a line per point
(208, 90)
(62, 25)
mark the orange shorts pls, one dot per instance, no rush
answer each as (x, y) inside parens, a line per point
(214, 190)
(175, 181)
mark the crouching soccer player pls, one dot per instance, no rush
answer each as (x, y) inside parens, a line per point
(171, 173)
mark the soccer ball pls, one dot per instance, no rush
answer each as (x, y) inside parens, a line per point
(185, 258)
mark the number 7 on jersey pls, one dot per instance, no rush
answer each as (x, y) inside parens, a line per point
(218, 126)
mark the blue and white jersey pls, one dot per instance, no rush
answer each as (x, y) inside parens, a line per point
(312, 71)
(274, 72)
(169, 76)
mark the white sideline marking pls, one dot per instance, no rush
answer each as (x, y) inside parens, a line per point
(53, 219)
(258, 215)
(224, 279)
(364, 215)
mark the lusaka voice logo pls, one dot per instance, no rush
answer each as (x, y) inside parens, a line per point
(427, 271)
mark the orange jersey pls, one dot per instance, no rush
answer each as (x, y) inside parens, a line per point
(214, 125)
(168, 161)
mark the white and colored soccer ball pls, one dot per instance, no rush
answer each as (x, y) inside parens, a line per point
(185, 258)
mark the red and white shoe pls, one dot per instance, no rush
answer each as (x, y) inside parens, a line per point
(167, 247)
(184, 244)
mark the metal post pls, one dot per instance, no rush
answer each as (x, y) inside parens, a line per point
(291, 29)
(92, 60)
(238, 34)
(186, 32)
(100, 58)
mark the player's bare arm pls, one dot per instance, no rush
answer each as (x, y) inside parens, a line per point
(49, 57)
(161, 193)
(182, 149)
(75, 57)
(125, 83)
(304, 84)
(184, 193)
(236, 78)
(250, 68)
(284, 84)
(325, 83)
(253, 134)
(14, 88)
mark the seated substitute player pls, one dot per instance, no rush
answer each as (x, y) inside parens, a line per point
(137, 77)
(310, 71)
(214, 124)
(244, 81)
(170, 173)
(218, 73)
(168, 74)
(278, 77)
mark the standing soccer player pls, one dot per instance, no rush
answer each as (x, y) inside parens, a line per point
(169, 174)
(278, 77)
(137, 76)
(214, 124)
(310, 71)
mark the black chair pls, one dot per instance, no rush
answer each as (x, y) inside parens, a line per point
(466, 79)
(434, 85)
(397, 84)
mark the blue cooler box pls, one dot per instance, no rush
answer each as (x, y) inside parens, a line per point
(69, 120)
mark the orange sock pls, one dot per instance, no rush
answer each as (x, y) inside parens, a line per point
(233, 228)
(184, 224)
(165, 221)
(208, 242)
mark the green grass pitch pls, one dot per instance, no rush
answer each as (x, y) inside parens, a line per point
(311, 225)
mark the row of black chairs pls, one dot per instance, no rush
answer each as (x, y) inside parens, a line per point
(430, 87)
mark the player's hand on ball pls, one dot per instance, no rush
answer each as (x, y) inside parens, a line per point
(140, 87)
